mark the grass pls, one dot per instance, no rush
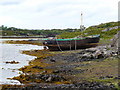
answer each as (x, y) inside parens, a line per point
(97, 69)
(93, 30)
(94, 69)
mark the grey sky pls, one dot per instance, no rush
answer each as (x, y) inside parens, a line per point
(47, 14)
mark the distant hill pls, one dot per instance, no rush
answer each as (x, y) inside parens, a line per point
(12, 31)
(106, 31)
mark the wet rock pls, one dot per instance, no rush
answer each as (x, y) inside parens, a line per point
(36, 50)
(56, 71)
(37, 67)
(109, 76)
(45, 78)
(76, 86)
(52, 60)
(12, 62)
(53, 78)
(43, 72)
(117, 77)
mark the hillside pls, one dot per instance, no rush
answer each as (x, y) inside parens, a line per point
(12, 31)
(106, 31)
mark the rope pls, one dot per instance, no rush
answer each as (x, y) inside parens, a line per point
(58, 45)
(70, 45)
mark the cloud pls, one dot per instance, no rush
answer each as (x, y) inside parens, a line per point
(10, 2)
(56, 13)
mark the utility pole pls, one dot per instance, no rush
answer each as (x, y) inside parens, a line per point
(81, 18)
(82, 26)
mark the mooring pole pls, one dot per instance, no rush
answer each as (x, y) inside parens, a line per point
(118, 42)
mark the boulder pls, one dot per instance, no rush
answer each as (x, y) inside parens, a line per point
(116, 41)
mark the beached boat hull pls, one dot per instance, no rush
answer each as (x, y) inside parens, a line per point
(71, 44)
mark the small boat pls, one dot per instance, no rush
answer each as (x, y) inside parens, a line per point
(72, 43)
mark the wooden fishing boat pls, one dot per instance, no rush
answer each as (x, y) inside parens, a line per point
(72, 43)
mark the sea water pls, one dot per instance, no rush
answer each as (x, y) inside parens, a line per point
(12, 52)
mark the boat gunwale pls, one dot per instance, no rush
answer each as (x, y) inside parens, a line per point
(70, 39)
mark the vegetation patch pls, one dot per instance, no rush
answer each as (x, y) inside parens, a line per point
(23, 42)
(94, 30)
(67, 67)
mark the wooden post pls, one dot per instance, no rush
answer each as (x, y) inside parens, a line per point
(75, 44)
(118, 42)
(70, 44)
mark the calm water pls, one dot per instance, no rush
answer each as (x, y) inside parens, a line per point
(10, 52)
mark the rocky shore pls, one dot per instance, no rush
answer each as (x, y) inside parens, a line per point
(87, 69)
(94, 68)
(77, 86)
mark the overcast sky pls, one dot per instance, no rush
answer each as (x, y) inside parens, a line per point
(50, 14)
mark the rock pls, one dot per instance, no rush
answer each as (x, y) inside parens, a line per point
(111, 28)
(91, 50)
(49, 79)
(98, 54)
(43, 72)
(53, 78)
(76, 86)
(35, 50)
(86, 55)
(107, 53)
(56, 71)
(117, 78)
(12, 62)
(45, 48)
(52, 60)
(109, 76)
(116, 42)
(37, 67)
(46, 77)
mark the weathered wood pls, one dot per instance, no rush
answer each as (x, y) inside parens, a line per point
(118, 42)
(63, 44)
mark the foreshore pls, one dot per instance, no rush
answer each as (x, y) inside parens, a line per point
(69, 69)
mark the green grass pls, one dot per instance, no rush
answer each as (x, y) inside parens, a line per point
(93, 30)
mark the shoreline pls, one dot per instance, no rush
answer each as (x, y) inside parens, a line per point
(59, 69)
(22, 42)
(12, 60)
